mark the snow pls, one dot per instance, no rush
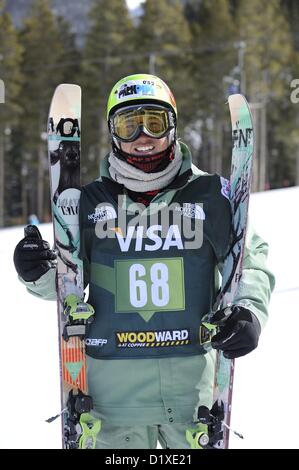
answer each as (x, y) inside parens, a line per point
(29, 352)
(266, 381)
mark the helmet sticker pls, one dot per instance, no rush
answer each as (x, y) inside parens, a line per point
(225, 187)
(136, 87)
(140, 87)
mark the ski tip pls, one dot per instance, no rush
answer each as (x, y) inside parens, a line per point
(68, 85)
(236, 100)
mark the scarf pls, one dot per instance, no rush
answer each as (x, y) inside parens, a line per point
(137, 180)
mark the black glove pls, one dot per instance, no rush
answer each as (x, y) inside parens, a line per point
(33, 256)
(238, 332)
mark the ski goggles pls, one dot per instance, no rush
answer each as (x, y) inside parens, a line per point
(155, 121)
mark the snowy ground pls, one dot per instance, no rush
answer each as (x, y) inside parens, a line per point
(266, 381)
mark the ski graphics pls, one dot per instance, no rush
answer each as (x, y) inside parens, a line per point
(240, 181)
(238, 192)
(64, 169)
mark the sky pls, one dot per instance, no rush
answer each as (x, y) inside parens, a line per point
(266, 382)
(133, 3)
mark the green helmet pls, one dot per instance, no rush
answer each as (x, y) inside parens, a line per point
(141, 87)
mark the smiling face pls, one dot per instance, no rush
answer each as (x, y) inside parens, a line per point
(145, 145)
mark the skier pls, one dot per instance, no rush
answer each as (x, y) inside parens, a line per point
(150, 286)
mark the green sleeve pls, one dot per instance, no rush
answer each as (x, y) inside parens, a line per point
(257, 281)
(44, 287)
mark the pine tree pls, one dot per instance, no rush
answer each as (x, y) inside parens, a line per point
(163, 39)
(292, 13)
(266, 33)
(10, 76)
(106, 58)
(214, 67)
(43, 67)
(291, 8)
(268, 63)
(71, 55)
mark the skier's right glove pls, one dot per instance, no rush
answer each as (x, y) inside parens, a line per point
(33, 256)
(239, 331)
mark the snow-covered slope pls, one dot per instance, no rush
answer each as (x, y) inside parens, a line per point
(267, 381)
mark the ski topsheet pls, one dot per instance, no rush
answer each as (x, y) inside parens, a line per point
(239, 191)
(64, 168)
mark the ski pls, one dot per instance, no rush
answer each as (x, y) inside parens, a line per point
(78, 426)
(238, 192)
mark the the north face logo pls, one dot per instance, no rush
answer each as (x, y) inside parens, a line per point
(193, 211)
(103, 213)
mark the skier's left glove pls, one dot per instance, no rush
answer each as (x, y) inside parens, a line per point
(33, 256)
(238, 331)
